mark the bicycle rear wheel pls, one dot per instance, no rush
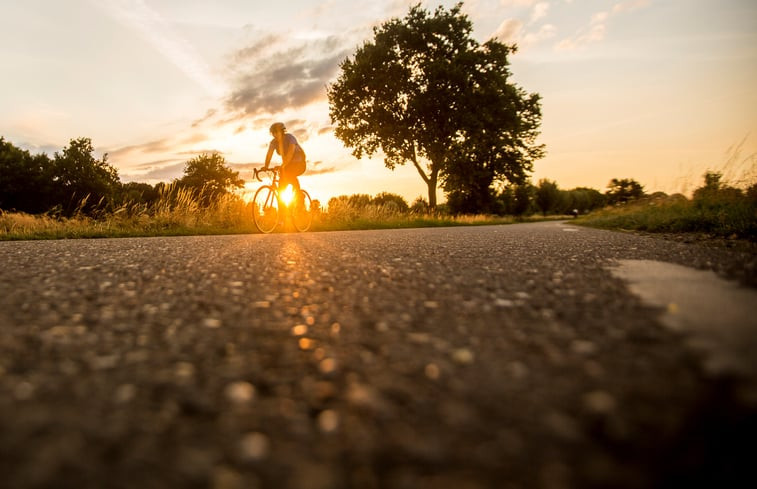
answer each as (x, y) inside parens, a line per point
(265, 209)
(302, 216)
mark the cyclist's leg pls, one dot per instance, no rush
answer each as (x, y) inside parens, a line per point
(289, 174)
(298, 168)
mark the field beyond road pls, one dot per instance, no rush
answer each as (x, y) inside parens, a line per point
(467, 357)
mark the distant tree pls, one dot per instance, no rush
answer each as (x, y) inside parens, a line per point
(659, 196)
(82, 182)
(620, 191)
(751, 193)
(348, 205)
(394, 201)
(315, 208)
(547, 196)
(208, 176)
(419, 206)
(138, 193)
(523, 198)
(359, 201)
(517, 199)
(25, 180)
(583, 199)
(475, 196)
(425, 91)
(715, 191)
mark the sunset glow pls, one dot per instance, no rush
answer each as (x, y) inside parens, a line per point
(287, 195)
(655, 90)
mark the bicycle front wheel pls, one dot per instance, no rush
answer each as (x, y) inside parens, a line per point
(302, 216)
(265, 209)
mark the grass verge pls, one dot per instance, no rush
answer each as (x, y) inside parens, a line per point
(716, 217)
(183, 217)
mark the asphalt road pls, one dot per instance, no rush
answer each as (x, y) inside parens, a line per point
(476, 357)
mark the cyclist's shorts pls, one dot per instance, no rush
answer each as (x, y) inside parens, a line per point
(293, 169)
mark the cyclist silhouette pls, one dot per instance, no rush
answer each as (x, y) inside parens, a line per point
(292, 156)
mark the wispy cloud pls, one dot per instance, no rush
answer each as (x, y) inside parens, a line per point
(596, 30)
(155, 171)
(630, 5)
(509, 31)
(518, 3)
(526, 30)
(539, 11)
(160, 34)
(514, 31)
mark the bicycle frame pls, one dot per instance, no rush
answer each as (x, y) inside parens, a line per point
(298, 208)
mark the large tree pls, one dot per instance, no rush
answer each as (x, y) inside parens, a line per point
(424, 91)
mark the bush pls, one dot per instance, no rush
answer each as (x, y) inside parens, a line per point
(715, 209)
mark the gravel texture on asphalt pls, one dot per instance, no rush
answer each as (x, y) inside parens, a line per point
(454, 358)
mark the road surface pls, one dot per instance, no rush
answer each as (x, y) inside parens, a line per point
(475, 357)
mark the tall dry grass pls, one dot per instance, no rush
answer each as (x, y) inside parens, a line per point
(177, 211)
(180, 212)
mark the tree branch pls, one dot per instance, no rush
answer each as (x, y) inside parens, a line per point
(414, 159)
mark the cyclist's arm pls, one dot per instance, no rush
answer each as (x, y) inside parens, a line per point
(268, 156)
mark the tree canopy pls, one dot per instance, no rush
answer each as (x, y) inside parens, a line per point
(424, 91)
(72, 181)
(25, 180)
(622, 190)
(87, 183)
(208, 176)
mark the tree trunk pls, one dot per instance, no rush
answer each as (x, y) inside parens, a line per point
(432, 192)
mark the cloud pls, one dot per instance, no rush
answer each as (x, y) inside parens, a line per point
(629, 5)
(156, 146)
(597, 28)
(545, 32)
(272, 81)
(46, 148)
(512, 31)
(159, 33)
(157, 171)
(509, 31)
(321, 171)
(539, 11)
(172, 149)
(518, 3)
(253, 51)
(208, 115)
(525, 33)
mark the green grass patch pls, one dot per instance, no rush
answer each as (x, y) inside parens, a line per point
(720, 216)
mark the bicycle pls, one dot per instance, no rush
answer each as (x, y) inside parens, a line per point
(271, 205)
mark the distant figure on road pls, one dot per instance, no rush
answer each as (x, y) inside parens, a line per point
(574, 213)
(292, 156)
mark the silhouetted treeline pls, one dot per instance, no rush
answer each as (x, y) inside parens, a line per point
(526, 199)
(74, 181)
(70, 181)
(514, 200)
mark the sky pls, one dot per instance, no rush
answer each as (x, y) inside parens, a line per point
(655, 90)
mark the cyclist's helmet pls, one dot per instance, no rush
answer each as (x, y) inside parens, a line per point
(277, 126)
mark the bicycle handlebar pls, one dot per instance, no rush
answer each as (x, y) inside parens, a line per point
(257, 171)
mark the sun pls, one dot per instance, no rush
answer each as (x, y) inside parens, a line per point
(287, 195)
